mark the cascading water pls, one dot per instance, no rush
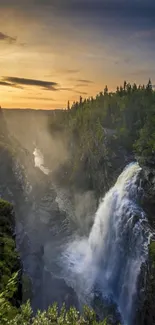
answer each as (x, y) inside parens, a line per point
(110, 259)
(39, 161)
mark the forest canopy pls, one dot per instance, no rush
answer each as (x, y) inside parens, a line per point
(98, 128)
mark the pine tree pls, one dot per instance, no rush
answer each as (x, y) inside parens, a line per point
(149, 85)
(105, 90)
(68, 105)
(125, 85)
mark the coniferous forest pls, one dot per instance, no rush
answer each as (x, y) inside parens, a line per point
(102, 134)
(100, 128)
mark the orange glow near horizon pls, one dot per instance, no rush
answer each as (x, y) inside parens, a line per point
(49, 55)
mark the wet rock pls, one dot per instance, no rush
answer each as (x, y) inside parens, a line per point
(145, 314)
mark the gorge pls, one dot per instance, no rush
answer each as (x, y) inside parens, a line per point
(84, 210)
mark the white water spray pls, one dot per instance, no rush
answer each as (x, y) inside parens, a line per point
(39, 161)
(110, 259)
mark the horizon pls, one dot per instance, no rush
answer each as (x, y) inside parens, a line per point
(34, 109)
(65, 108)
(55, 51)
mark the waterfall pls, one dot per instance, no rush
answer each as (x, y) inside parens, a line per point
(39, 161)
(111, 257)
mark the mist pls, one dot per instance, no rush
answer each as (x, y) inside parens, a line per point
(50, 213)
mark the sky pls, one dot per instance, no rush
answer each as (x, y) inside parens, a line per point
(52, 51)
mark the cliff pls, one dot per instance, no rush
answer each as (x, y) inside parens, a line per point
(10, 261)
(146, 283)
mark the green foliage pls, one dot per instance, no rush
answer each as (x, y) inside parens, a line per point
(8, 254)
(52, 317)
(145, 145)
(124, 111)
(7, 310)
(7, 244)
(10, 315)
(9, 264)
(152, 251)
(5, 207)
(98, 128)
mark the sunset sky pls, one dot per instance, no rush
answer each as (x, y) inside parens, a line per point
(52, 51)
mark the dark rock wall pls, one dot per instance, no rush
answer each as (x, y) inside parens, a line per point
(146, 284)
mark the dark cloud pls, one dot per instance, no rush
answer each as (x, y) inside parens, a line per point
(133, 10)
(39, 98)
(3, 83)
(9, 39)
(16, 82)
(116, 18)
(46, 85)
(115, 8)
(94, 5)
(80, 92)
(85, 81)
(73, 90)
(121, 8)
(7, 84)
(106, 16)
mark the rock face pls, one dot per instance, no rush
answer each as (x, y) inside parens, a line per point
(146, 285)
(148, 171)
(9, 259)
(146, 291)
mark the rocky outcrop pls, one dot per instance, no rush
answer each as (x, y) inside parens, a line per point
(148, 202)
(145, 314)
